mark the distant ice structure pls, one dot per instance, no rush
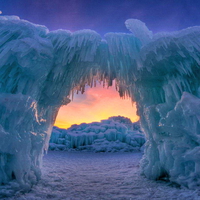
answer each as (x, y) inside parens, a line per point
(126, 122)
(111, 135)
(39, 70)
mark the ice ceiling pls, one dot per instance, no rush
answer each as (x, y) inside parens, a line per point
(39, 69)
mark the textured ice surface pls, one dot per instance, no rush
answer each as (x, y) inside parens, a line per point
(140, 30)
(20, 149)
(179, 154)
(40, 69)
(126, 122)
(111, 135)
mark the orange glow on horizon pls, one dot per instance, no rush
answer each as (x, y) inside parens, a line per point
(95, 104)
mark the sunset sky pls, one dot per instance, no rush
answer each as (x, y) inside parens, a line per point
(102, 16)
(94, 105)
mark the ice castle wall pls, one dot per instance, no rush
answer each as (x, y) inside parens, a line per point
(112, 135)
(40, 69)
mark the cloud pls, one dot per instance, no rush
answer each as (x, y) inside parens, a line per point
(84, 99)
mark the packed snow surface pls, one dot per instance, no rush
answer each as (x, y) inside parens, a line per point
(105, 176)
(111, 135)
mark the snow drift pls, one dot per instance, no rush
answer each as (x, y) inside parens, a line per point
(40, 69)
(111, 135)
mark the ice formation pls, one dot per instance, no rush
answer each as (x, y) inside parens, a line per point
(39, 70)
(111, 135)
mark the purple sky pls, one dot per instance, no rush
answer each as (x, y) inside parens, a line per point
(105, 15)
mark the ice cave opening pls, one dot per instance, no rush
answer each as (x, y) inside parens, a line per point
(97, 121)
(160, 72)
(95, 104)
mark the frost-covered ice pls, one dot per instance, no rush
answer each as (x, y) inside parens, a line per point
(111, 135)
(105, 176)
(39, 70)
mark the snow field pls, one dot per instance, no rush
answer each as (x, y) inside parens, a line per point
(105, 176)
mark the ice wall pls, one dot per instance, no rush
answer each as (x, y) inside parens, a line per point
(26, 58)
(40, 69)
(111, 135)
(167, 96)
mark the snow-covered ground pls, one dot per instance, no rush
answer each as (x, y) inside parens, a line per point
(99, 176)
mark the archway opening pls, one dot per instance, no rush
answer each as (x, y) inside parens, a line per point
(98, 120)
(96, 104)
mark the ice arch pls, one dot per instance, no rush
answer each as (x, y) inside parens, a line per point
(39, 69)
